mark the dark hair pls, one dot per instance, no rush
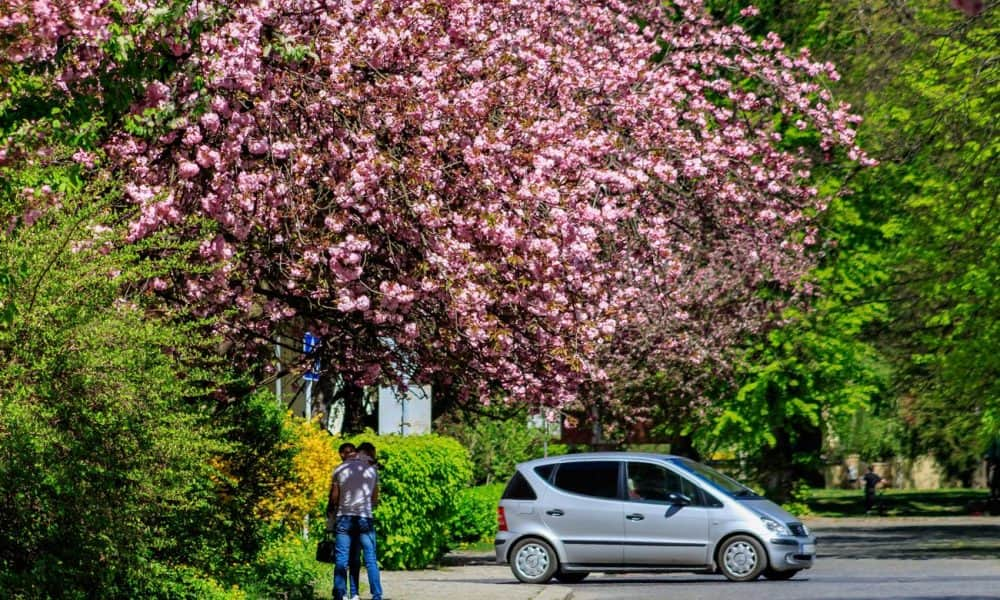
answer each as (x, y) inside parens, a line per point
(346, 447)
(368, 448)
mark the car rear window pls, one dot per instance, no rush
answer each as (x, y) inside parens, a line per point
(518, 488)
(591, 478)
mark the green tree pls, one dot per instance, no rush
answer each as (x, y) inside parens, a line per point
(904, 325)
(926, 79)
(800, 383)
(121, 475)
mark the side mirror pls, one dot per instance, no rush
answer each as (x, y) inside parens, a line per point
(678, 499)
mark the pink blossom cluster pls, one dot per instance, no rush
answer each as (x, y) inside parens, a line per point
(33, 31)
(501, 194)
(971, 8)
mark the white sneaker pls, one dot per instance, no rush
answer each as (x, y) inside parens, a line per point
(355, 597)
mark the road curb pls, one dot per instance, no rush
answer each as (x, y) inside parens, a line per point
(555, 592)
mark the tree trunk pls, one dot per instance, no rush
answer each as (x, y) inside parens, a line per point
(790, 461)
(354, 409)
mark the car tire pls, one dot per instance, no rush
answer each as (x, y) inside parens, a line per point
(571, 577)
(773, 575)
(533, 561)
(742, 558)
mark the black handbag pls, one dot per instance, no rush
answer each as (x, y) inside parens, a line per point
(324, 551)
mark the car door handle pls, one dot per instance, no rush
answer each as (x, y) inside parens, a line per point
(555, 512)
(635, 517)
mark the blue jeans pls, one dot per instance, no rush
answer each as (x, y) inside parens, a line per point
(354, 569)
(360, 530)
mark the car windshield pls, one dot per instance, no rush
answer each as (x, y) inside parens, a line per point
(723, 483)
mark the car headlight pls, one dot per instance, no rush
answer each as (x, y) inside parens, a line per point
(775, 527)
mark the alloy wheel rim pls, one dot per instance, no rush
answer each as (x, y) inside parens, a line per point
(741, 558)
(532, 560)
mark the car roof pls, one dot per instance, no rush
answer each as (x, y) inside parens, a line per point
(612, 455)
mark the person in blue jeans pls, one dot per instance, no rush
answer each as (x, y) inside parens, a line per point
(353, 497)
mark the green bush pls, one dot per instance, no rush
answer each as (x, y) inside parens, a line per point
(288, 569)
(798, 505)
(420, 477)
(475, 515)
(121, 475)
(496, 443)
(179, 582)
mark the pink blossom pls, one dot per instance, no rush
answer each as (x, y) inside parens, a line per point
(969, 7)
(210, 121)
(511, 192)
(258, 147)
(192, 136)
(84, 158)
(187, 169)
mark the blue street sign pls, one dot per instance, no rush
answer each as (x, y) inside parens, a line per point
(309, 344)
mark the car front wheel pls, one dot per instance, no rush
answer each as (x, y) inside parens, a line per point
(533, 561)
(742, 558)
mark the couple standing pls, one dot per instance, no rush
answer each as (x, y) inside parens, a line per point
(353, 496)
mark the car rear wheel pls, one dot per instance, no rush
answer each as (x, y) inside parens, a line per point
(780, 575)
(533, 561)
(742, 558)
(571, 577)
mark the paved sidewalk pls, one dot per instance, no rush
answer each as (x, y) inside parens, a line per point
(475, 581)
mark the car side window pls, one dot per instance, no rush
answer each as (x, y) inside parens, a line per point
(654, 483)
(597, 478)
(711, 500)
(544, 471)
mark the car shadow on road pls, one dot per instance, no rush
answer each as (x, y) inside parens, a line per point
(910, 541)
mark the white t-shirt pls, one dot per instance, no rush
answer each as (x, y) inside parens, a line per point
(357, 480)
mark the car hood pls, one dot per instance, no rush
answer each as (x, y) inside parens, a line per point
(765, 507)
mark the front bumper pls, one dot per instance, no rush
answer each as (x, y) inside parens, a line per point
(787, 553)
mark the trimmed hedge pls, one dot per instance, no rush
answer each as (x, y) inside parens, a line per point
(475, 515)
(420, 478)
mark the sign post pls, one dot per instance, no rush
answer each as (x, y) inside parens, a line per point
(309, 344)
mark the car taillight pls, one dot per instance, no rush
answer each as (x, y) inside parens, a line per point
(501, 519)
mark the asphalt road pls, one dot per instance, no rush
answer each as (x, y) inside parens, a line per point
(877, 559)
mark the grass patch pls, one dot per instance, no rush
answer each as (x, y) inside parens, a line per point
(484, 546)
(898, 503)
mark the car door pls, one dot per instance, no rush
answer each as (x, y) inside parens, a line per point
(664, 522)
(584, 511)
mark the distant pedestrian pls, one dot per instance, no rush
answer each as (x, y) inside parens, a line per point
(354, 494)
(871, 480)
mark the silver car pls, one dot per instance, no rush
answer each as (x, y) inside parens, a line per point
(568, 516)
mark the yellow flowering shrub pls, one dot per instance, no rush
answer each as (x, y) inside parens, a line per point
(306, 492)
